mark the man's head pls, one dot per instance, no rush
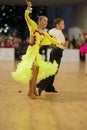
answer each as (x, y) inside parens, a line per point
(59, 23)
(42, 22)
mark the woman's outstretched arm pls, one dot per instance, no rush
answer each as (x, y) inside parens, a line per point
(30, 23)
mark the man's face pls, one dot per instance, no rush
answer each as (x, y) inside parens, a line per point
(43, 22)
(61, 25)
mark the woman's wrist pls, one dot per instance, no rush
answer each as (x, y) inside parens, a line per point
(28, 8)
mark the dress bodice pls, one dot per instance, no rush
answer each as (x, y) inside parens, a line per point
(40, 38)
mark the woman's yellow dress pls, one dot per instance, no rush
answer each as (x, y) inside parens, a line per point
(23, 72)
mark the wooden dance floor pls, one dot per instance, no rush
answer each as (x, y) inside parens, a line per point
(65, 110)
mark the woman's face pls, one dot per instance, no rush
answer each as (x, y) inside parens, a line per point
(43, 22)
(61, 25)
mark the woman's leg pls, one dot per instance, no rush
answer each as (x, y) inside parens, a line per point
(32, 83)
(34, 79)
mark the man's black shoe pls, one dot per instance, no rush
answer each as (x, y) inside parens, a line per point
(54, 91)
(50, 89)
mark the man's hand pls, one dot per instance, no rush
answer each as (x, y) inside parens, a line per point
(65, 44)
(32, 40)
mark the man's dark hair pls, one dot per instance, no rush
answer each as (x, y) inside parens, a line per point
(57, 21)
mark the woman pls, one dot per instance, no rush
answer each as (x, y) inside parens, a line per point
(32, 67)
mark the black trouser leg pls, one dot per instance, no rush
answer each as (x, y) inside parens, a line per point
(56, 54)
(47, 83)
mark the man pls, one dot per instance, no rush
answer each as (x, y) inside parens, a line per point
(56, 54)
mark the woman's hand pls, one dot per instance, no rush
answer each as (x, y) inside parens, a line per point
(29, 4)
